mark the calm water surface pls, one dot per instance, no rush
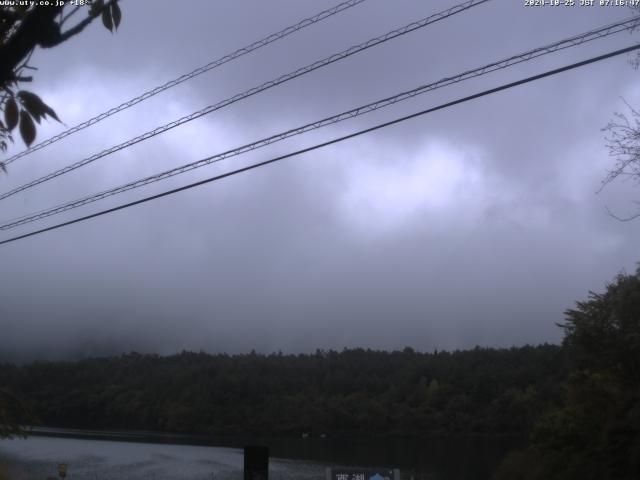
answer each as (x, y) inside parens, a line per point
(38, 457)
(472, 458)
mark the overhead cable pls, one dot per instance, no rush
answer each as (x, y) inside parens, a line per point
(355, 112)
(252, 91)
(188, 76)
(330, 142)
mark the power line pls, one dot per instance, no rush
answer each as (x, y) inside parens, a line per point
(194, 73)
(252, 91)
(331, 142)
(361, 110)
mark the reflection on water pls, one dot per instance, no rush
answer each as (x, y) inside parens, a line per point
(471, 458)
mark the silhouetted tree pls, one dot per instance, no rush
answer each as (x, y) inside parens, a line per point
(596, 434)
(23, 28)
(623, 143)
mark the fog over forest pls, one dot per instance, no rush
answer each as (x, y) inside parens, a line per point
(475, 225)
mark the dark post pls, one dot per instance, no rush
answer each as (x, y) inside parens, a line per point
(256, 463)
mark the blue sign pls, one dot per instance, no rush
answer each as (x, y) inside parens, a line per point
(362, 474)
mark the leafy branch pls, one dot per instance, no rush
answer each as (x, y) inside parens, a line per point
(22, 29)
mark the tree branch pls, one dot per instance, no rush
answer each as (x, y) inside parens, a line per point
(80, 26)
(622, 219)
(69, 15)
(38, 25)
(39, 28)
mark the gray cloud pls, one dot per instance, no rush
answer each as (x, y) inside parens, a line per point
(478, 224)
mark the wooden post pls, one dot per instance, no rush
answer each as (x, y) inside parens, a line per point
(256, 463)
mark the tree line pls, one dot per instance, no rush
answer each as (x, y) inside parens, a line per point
(355, 391)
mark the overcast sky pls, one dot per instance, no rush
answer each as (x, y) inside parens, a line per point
(475, 225)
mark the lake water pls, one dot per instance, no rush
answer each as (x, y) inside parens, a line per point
(304, 459)
(38, 457)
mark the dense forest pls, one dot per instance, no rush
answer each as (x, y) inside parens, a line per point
(350, 392)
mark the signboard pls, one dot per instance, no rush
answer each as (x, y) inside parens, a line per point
(336, 473)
